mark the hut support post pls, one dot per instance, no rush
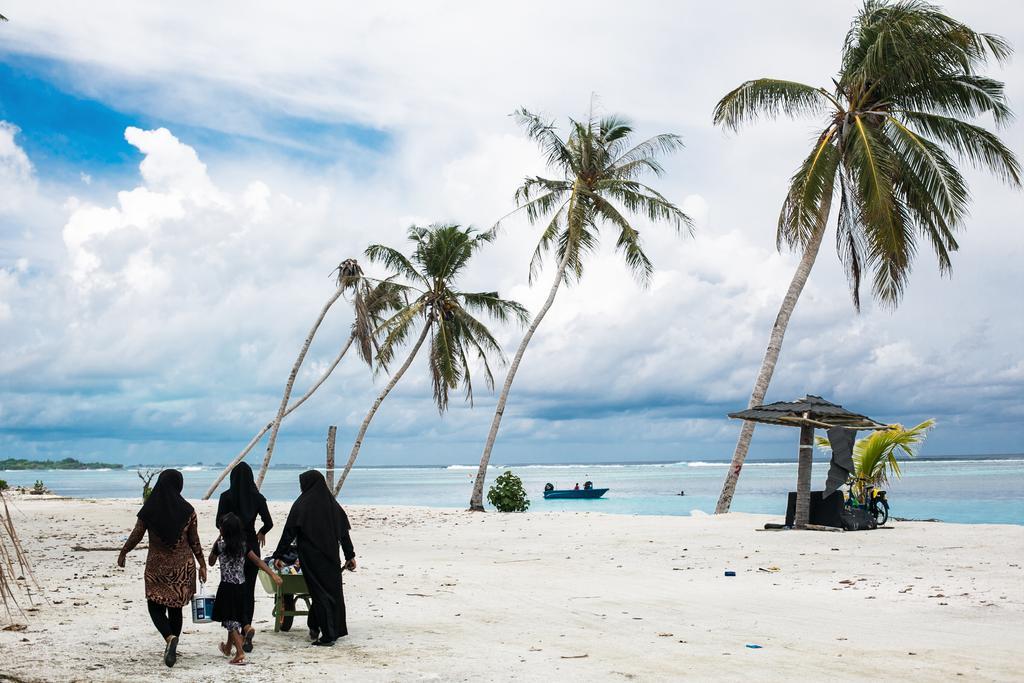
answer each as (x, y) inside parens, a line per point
(332, 433)
(803, 477)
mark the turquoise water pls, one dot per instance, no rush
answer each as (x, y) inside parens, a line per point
(968, 490)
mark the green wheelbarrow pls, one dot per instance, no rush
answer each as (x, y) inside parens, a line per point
(286, 596)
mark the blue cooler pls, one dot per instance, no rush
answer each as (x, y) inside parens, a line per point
(202, 606)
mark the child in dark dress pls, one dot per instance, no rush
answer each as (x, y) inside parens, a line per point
(231, 604)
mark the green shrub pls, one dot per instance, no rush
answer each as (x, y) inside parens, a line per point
(3, 485)
(38, 488)
(508, 494)
(146, 476)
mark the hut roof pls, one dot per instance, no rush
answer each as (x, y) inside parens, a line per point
(818, 411)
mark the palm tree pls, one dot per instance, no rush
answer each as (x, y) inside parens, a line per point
(893, 122)
(875, 457)
(371, 302)
(598, 186)
(440, 254)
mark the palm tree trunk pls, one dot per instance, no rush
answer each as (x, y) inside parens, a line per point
(476, 501)
(771, 355)
(376, 404)
(803, 477)
(276, 426)
(259, 435)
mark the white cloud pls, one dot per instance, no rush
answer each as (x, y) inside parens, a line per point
(186, 296)
(16, 173)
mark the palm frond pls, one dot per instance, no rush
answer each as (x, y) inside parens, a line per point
(876, 457)
(957, 95)
(398, 329)
(666, 143)
(802, 208)
(981, 147)
(547, 238)
(543, 133)
(395, 261)
(500, 309)
(850, 238)
(769, 97)
(444, 369)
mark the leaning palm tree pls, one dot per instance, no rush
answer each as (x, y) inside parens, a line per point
(598, 186)
(440, 254)
(894, 125)
(371, 302)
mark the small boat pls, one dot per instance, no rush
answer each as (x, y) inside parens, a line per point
(588, 491)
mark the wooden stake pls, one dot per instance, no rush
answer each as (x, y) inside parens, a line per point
(332, 432)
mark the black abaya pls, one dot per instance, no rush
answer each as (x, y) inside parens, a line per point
(318, 525)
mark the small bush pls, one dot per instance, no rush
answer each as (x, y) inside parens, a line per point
(38, 488)
(3, 485)
(146, 476)
(508, 494)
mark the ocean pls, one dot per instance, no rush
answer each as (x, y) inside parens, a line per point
(982, 489)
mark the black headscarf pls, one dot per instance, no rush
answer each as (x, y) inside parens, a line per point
(317, 515)
(243, 498)
(165, 512)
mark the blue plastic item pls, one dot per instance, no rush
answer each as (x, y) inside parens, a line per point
(730, 573)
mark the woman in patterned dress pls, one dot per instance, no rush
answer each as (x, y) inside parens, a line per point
(174, 551)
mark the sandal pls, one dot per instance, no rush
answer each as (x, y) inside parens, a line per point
(171, 651)
(238, 662)
(247, 643)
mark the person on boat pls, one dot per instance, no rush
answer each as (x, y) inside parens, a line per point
(318, 525)
(577, 487)
(588, 485)
(246, 502)
(174, 551)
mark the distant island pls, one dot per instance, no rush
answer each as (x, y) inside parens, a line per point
(65, 464)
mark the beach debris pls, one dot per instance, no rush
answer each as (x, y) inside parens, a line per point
(665, 635)
(15, 627)
(12, 554)
(730, 573)
(771, 569)
(575, 656)
(754, 646)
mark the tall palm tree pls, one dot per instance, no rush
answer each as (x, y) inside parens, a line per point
(440, 254)
(598, 186)
(893, 122)
(371, 302)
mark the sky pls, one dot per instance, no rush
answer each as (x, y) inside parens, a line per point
(177, 182)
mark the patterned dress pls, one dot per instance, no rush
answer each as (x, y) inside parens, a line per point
(170, 570)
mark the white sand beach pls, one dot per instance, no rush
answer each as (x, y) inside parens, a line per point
(450, 595)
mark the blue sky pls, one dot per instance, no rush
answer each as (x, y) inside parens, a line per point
(172, 209)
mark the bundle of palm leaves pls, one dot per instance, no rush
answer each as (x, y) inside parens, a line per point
(13, 562)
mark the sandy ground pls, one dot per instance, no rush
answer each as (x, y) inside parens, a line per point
(449, 595)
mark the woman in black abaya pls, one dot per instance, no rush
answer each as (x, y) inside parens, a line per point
(318, 526)
(246, 502)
